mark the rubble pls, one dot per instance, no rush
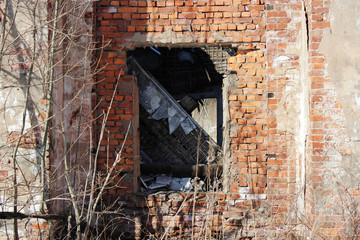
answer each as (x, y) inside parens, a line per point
(163, 182)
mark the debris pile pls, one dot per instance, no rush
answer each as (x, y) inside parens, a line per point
(163, 182)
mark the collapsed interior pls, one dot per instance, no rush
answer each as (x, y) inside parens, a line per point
(181, 121)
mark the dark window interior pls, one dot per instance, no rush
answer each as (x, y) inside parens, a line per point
(194, 78)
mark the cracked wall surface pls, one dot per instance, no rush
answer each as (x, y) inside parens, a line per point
(340, 45)
(291, 107)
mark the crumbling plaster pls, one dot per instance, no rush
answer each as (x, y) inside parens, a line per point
(171, 37)
(340, 45)
(17, 47)
(292, 112)
(14, 75)
(167, 37)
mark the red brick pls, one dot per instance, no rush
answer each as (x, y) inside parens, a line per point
(276, 14)
(320, 25)
(188, 9)
(127, 9)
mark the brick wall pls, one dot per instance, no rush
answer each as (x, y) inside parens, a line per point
(334, 198)
(307, 184)
(241, 24)
(290, 150)
(290, 138)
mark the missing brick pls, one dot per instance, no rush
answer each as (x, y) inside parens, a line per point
(269, 7)
(271, 155)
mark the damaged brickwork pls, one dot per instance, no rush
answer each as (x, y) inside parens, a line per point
(290, 103)
(241, 26)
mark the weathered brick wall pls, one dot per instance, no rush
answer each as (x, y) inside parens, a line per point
(334, 200)
(241, 24)
(287, 86)
(286, 132)
(176, 24)
(310, 140)
(290, 135)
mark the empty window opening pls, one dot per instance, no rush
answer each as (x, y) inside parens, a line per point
(180, 115)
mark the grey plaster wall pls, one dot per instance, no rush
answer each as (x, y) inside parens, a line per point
(341, 46)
